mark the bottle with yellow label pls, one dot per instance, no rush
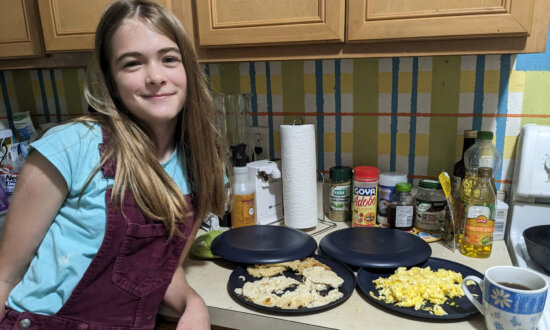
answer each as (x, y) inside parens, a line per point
(479, 216)
(242, 190)
(242, 211)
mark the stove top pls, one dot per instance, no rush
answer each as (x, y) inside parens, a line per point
(525, 215)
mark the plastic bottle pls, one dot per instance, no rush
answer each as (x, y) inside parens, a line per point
(401, 211)
(459, 169)
(386, 189)
(242, 210)
(479, 217)
(365, 184)
(483, 154)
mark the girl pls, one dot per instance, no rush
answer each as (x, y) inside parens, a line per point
(107, 205)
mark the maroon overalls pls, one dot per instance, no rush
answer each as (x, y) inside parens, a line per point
(127, 279)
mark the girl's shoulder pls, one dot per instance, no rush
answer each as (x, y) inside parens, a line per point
(72, 131)
(68, 136)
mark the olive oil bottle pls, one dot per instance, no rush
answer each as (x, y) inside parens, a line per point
(479, 215)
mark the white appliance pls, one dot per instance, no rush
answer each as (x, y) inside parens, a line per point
(530, 199)
(268, 198)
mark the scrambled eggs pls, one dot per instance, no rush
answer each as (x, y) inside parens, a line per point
(416, 286)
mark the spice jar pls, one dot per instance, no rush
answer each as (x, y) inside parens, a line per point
(365, 186)
(339, 196)
(401, 211)
(430, 204)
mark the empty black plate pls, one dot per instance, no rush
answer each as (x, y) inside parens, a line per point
(263, 244)
(375, 247)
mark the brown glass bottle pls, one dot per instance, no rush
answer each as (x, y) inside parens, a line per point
(401, 210)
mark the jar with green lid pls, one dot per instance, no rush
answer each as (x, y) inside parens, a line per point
(340, 193)
(401, 211)
(430, 205)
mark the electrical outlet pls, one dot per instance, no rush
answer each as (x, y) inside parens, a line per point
(258, 142)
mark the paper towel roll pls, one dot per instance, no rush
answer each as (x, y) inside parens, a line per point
(299, 172)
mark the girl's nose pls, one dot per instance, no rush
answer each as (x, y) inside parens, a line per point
(155, 76)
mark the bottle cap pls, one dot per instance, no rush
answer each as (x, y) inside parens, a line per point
(239, 155)
(485, 135)
(470, 134)
(485, 172)
(366, 172)
(340, 173)
(403, 187)
(430, 184)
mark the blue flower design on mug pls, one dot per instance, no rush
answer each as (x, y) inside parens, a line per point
(498, 326)
(515, 322)
(501, 298)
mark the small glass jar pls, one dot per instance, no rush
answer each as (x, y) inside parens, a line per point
(430, 205)
(401, 210)
(339, 194)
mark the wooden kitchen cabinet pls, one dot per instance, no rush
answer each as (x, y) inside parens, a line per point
(383, 20)
(19, 30)
(373, 28)
(254, 22)
(69, 25)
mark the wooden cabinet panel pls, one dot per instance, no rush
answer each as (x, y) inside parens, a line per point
(70, 25)
(19, 31)
(253, 22)
(380, 20)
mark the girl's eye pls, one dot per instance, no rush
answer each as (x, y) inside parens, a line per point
(171, 59)
(131, 64)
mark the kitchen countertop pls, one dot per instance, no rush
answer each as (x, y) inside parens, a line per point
(209, 278)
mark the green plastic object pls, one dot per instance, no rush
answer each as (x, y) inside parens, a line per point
(201, 246)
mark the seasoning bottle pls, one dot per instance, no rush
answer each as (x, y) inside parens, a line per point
(340, 193)
(401, 210)
(386, 189)
(365, 186)
(479, 214)
(430, 204)
(242, 209)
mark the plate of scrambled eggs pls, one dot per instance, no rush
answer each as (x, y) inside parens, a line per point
(432, 289)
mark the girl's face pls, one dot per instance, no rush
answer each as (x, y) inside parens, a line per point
(148, 72)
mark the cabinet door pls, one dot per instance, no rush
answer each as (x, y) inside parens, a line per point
(378, 20)
(253, 22)
(19, 32)
(70, 25)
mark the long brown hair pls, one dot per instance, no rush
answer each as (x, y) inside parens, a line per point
(133, 145)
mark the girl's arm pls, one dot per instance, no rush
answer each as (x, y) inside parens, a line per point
(186, 302)
(38, 196)
(183, 299)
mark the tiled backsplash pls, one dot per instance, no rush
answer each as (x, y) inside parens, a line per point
(399, 114)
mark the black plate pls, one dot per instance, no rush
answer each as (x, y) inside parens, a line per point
(375, 247)
(263, 244)
(463, 307)
(340, 269)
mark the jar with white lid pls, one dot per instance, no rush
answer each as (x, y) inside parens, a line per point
(430, 205)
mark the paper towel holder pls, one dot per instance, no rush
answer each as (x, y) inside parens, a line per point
(298, 118)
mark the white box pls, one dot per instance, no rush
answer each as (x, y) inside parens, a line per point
(501, 214)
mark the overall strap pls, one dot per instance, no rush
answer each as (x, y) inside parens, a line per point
(108, 169)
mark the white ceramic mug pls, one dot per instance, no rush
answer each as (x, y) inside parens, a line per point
(512, 297)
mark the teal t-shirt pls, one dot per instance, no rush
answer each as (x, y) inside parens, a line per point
(77, 230)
